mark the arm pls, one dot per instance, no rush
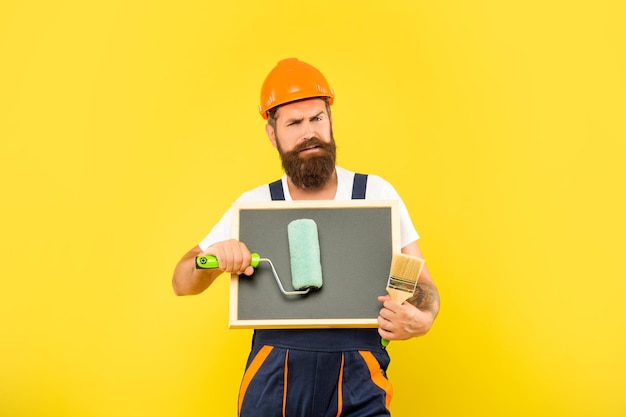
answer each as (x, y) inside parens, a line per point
(233, 257)
(415, 316)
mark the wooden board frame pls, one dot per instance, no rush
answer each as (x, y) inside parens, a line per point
(357, 239)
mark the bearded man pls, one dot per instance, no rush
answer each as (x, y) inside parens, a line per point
(312, 372)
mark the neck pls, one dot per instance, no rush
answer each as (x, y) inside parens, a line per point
(326, 192)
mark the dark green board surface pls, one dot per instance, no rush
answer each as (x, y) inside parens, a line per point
(355, 250)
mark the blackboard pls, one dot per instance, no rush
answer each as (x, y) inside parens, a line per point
(357, 239)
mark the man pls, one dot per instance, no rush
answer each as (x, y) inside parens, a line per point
(313, 372)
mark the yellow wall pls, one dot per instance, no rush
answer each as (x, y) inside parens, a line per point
(128, 127)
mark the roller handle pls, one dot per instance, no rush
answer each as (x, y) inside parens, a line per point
(210, 261)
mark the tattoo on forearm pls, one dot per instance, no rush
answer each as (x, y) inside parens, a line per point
(425, 297)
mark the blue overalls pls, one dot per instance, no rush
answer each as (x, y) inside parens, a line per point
(316, 372)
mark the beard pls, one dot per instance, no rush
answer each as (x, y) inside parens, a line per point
(310, 171)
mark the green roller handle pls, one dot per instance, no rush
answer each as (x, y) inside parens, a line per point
(210, 261)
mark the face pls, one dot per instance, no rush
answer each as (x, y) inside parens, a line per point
(304, 139)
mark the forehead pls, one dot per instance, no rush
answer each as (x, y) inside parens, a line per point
(302, 108)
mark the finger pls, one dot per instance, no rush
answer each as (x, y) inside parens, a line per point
(385, 334)
(392, 306)
(246, 258)
(385, 323)
(385, 314)
(385, 329)
(241, 258)
(226, 260)
(237, 260)
(382, 334)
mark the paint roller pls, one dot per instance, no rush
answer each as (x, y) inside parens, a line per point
(304, 255)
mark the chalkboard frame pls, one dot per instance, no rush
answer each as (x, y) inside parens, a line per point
(368, 231)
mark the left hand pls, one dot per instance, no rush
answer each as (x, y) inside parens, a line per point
(401, 322)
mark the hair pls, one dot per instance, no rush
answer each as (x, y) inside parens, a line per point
(271, 113)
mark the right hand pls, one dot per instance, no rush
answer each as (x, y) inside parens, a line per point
(232, 255)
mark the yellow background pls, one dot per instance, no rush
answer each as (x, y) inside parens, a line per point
(128, 127)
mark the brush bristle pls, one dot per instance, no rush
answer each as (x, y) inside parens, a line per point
(406, 266)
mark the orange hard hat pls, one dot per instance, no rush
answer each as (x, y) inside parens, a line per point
(293, 80)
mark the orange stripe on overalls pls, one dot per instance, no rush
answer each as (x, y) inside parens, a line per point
(251, 372)
(377, 376)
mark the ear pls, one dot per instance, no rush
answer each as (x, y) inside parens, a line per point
(271, 134)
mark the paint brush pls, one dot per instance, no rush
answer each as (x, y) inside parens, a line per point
(403, 276)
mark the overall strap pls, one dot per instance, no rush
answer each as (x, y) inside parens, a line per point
(276, 191)
(359, 186)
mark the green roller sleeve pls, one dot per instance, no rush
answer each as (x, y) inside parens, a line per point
(210, 261)
(304, 253)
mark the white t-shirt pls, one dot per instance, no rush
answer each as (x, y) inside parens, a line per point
(377, 189)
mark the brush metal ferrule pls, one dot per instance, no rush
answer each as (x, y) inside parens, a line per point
(401, 284)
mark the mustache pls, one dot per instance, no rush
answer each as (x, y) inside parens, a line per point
(310, 143)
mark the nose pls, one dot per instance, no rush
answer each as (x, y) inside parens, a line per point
(308, 130)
